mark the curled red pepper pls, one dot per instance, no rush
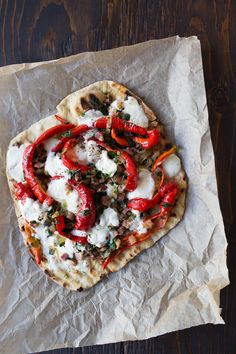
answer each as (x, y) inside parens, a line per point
(86, 214)
(162, 157)
(142, 204)
(120, 140)
(23, 191)
(152, 139)
(30, 178)
(119, 124)
(72, 134)
(131, 171)
(60, 226)
(74, 166)
(60, 119)
(57, 129)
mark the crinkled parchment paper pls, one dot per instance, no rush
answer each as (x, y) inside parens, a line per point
(173, 285)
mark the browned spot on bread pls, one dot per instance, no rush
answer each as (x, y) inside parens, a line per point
(94, 101)
(84, 104)
(46, 271)
(80, 289)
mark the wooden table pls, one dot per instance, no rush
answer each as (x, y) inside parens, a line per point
(35, 30)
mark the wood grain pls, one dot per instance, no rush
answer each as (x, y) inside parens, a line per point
(34, 30)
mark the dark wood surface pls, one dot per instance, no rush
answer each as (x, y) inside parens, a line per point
(34, 30)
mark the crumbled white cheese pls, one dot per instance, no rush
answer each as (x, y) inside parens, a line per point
(58, 190)
(137, 223)
(100, 234)
(32, 210)
(69, 248)
(145, 187)
(133, 108)
(137, 115)
(90, 133)
(90, 117)
(80, 233)
(54, 165)
(171, 165)
(89, 153)
(14, 162)
(106, 165)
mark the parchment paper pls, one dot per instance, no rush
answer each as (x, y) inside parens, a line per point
(171, 286)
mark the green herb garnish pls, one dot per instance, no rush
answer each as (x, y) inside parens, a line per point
(167, 205)
(126, 116)
(85, 212)
(51, 251)
(67, 134)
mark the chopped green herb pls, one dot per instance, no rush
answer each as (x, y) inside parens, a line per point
(85, 212)
(72, 173)
(51, 251)
(126, 116)
(112, 154)
(67, 134)
(167, 205)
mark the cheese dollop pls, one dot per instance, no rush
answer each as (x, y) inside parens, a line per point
(133, 108)
(100, 234)
(172, 165)
(32, 210)
(14, 162)
(145, 187)
(54, 165)
(106, 165)
(58, 190)
(90, 117)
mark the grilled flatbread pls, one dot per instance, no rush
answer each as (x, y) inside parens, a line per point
(84, 208)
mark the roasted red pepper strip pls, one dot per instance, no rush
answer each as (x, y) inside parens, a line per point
(30, 178)
(121, 141)
(152, 139)
(85, 217)
(142, 204)
(23, 191)
(139, 238)
(131, 171)
(57, 129)
(162, 157)
(73, 133)
(60, 119)
(119, 124)
(74, 166)
(60, 226)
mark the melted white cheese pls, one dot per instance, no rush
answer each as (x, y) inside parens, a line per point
(89, 153)
(58, 190)
(54, 165)
(32, 210)
(100, 234)
(106, 165)
(137, 224)
(90, 117)
(68, 248)
(172, 165)
(82, 266)
(14, 162)
(90, 133)
(145, 187)
(133, 108)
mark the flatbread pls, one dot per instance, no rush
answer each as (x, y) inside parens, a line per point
(71, 108)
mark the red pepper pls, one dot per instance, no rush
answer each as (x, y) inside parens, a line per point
(143, 204)
(73, 133)
(74, 166)
(152, 139)
(162, 157)
(86, 214)
(121, 141)
(23, 191)
(57, 129)
(60, 226)
(55, 177)
(119, 124)
(30, 178)
(60, 119)
(131, 171)
(138, 239)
